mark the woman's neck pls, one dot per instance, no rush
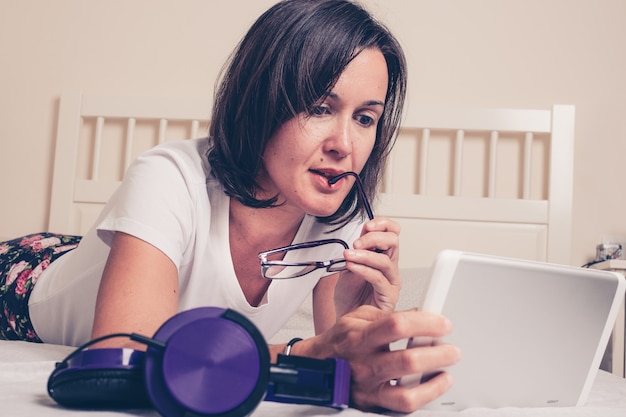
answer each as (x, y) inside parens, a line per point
(252, 231)
(267, 228)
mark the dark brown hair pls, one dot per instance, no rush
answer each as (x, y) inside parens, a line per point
(288, 61)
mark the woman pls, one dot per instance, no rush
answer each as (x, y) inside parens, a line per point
(314, 90)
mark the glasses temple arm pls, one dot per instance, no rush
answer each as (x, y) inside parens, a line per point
(359, 184)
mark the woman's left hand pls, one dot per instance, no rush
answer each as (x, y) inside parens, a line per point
(372, 276)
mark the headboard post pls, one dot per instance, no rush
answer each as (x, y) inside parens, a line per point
(561, 184)
(65, 156)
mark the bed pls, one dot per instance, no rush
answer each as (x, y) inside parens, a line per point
(25, 367)
(495, 181)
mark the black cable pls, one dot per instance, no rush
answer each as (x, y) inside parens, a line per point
(133, 336)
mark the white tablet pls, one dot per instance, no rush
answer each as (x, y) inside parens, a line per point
(532, 334)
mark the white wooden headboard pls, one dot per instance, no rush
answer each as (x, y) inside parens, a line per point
(494, 181)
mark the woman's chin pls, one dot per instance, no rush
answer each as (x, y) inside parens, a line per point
(323, 213)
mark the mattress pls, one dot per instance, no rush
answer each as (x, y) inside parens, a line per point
(25, 367)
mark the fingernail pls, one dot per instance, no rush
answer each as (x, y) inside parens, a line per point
(458, 352)
(449, 380)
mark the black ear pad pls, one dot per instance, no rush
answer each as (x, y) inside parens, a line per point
(100, 378)
(102, 388)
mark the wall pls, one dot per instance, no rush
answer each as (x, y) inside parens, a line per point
(492, 53)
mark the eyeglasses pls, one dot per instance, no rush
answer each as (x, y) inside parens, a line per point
(278, 268)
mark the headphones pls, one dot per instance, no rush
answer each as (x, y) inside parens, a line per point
(202, 362)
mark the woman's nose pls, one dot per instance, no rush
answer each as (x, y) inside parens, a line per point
(339, 140)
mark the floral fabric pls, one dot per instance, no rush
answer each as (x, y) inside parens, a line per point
(22, 261)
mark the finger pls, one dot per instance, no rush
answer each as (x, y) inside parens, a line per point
(403, 399)
(382, 224)
(380, 235)
(367, 314)
(386, 366)
(376, 268)
(400, 325)
(379, 242)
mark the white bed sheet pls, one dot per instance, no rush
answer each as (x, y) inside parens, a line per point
(24, 370)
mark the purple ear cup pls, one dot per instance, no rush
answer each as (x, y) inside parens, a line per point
(215, 362)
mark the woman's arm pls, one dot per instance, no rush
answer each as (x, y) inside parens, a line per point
(138, 291)
(372, 277)
(324, 315)
(365, 325)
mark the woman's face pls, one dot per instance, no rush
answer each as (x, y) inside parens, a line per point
(337, 137)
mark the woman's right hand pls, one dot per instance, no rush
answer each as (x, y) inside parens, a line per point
(362, 337)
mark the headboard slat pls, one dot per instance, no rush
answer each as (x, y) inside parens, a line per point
(97, 148)
(458, 162)
(423, 161)
(528, 157)
(195, 126)
(130, 136)
(162, 130)
(493, 163)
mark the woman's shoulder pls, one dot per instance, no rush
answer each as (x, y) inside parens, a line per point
(187, 158)
(187, 150)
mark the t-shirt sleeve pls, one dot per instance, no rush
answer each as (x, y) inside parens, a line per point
(155, 202)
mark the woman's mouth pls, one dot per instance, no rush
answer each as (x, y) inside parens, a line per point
(330, 178)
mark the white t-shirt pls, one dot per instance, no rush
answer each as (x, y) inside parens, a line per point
(169, 199)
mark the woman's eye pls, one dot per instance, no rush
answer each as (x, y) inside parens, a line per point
(365, 120)
(320, 110)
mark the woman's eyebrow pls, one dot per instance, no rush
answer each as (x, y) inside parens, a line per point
(335, 96)
(375, 103)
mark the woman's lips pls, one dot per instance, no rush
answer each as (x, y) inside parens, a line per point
(325, 176)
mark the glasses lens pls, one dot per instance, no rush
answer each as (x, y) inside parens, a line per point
(300, 259)
(338, 265)
(286, 271)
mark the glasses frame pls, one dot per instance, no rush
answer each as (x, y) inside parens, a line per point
(266, 264)
(361, 191)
